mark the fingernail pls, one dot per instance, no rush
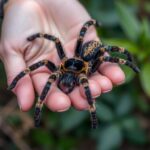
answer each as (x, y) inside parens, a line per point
(96, 96)
(120, 82)
(19, 106)
(107, 91)
(62, 110)
(87, 108)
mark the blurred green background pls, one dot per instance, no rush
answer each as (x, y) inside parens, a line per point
(124, 113)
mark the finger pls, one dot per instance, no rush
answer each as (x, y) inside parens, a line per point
(113, 72)
(56, 100)
(94, 87)
(78, 101)
(104, 83)
(78, 97)
(24, 91)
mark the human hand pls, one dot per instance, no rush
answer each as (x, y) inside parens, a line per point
(63, 19)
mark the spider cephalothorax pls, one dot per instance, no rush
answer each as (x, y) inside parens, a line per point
(74, 71)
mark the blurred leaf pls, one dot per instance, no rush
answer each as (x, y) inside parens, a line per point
(130, 123)
(145, 33)
(72, 118)
(14, 120)
(147, 6)
(142, 104)
(110, 138)
(137, 136)
(104, 12)
(66, 143)
(104, 113)
(124, 106)
(146, 28)
(144, 54)
(42, 137)
(52, 119)
(128, 21)
(129, 74)
(145, 79)
(109, 98)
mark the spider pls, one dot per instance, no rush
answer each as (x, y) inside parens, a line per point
(75, 71)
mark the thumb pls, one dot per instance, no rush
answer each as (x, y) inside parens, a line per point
(14, 64)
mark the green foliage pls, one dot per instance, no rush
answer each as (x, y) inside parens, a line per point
(133, 132)
(124, 106)
(71, 119)
(145, 81)
(14, 120)
(118, 111)
(145, 32)
(104, 113)
(129, 23)
(42, 137)
(110, 138)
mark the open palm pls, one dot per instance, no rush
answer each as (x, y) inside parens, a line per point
(63, 19)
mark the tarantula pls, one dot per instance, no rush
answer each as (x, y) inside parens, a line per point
(75, 71)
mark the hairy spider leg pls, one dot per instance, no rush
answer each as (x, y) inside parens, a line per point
(94, 66)
(119, 61)
(84, 82)
(82, 34)
(58, 44)
(118, 49)
(38, 108)
(51, 66)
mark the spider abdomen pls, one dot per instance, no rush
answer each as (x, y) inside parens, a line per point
(91, 50)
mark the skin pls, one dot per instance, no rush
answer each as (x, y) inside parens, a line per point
(62, 18)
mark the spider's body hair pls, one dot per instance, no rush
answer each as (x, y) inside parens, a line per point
(75, 71)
